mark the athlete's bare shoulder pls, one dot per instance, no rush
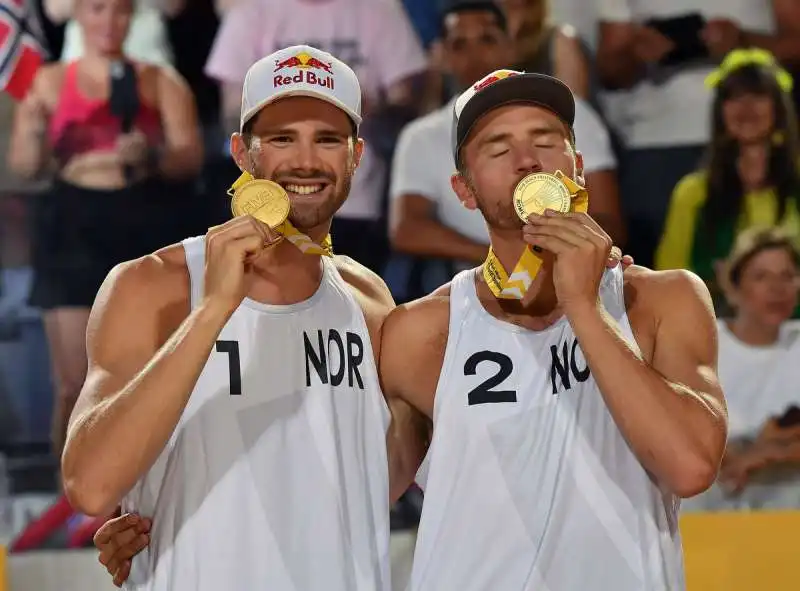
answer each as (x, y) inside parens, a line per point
(163, 274)
(364, 282)
(371, 293)
(654, 290)
(413, 346)
(153, 287)
(673, 300)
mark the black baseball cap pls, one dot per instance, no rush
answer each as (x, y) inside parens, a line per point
(503, 87)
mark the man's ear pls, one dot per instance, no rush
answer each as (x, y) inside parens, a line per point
(241, 153)
(358, 153)
(579, 178)
(463, 189)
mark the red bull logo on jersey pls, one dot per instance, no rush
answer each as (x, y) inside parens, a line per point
(309, 70)
(492, 78)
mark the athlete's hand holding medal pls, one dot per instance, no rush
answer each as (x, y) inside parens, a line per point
(261, 211)
(258, 207)
(554, 208)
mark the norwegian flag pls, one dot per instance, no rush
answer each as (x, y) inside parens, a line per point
(21, 48)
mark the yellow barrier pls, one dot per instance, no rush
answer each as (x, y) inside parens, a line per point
(742, 551)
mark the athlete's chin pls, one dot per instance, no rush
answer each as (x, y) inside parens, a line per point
(305, 216)
(504, 224)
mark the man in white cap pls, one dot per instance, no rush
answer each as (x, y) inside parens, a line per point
(232, 392)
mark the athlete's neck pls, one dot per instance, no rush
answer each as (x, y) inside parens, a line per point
(539, 308)
(284, 275)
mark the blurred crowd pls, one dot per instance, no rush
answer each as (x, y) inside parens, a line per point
(686, 119)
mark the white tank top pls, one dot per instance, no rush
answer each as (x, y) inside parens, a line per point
(276, 477)
(530, 485)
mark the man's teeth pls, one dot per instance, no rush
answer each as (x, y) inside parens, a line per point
(303, 189)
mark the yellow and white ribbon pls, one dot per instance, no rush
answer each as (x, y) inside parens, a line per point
(516, 285)
(288, 231)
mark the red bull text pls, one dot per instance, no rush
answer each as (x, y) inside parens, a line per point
(311, 71)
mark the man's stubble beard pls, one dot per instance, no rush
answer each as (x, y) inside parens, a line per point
(306, 219)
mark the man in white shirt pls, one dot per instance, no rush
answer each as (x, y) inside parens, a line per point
(665, 118)
(427, 219)
(375, 38)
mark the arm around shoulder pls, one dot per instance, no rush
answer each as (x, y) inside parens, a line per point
(412, 350)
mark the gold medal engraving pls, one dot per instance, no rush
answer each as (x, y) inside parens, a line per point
(265, 200)
(538, 192)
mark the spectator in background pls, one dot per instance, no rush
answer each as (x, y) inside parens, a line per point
(544, 47)
(110, 194)
(147, 39)
(664, 123)
(427, 217)
(759, 369)
(376, 39)
(751, 177)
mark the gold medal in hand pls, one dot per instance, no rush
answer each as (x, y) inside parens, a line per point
(538, 192)
(265, 200)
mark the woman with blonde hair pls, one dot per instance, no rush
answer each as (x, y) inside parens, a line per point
(759, 369)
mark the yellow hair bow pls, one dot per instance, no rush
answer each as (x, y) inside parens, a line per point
(741, 58)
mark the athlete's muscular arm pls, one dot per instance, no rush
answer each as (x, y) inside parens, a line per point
(137, 384)
(672, 410)
(407, 431)
(667, 403)
(412, 349)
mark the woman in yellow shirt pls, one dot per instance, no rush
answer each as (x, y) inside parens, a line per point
(751, 178)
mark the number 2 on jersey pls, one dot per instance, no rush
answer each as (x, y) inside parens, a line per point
(231, 348)
(483, 393)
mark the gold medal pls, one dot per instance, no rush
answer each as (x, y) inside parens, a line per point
(264, 200)
(540, 191)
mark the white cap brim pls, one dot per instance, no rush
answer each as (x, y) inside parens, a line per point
(301, 92)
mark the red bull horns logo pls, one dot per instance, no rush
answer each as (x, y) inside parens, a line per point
(492, 78)
(310, 71)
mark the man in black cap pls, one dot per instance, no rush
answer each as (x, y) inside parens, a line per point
(572, 405)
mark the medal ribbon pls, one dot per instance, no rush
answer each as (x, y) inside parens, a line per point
(516, 285)
(288, 231)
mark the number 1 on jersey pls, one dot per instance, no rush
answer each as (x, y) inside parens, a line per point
(231, 348)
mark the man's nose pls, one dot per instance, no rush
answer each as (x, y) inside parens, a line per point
(526, 161)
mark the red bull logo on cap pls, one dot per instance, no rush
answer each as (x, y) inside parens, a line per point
(310, 71)
(492, 78)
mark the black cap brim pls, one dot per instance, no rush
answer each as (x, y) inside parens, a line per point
(536, 89)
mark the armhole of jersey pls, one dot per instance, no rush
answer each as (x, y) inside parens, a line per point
(616, 282)
(195, 251)
(331, 275)
(459, 302)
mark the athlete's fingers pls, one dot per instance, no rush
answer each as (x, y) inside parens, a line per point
(237, 228)
(113, 526)
(110, 548)
(122, 574)
(577, 223)
(614, 257)
(531, 233)
(552, 243)
(127, 551)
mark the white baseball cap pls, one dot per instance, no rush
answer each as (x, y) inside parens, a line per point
(301, 70)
